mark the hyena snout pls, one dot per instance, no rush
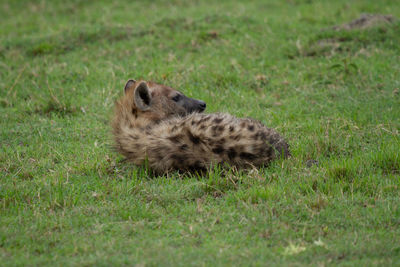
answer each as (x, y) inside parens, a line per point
(193, 105)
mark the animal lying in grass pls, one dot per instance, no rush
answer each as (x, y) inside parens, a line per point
(159, 126)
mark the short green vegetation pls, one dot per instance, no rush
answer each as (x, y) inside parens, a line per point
(67, 199)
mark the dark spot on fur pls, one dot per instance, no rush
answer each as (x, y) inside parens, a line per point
(243, 124)
(231, 153)
(202, 127)
(231, 128)
(251, 128)
(247, 156)
(197, 166)
(217, 129)
(160, 152)
(204, 119)
(129, 153)
(217, 120)
(175, 138)
(194, 139)
(178, 158)
(134, 112)
(198, 163)
(218, 150)
(211, 142)
(267, 151)
(263, 136)
(236, 137)
(173, 129)
(214, 130)
(133, 136)
(256, 136)
(183, 147)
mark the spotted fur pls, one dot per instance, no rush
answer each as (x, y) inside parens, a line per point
(150, 125)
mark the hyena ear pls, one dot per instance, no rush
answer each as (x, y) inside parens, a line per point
(129, 84)
(142, 96)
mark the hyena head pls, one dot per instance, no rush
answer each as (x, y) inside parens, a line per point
(148, 102)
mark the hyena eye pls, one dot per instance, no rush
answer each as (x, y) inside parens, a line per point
(176, 98)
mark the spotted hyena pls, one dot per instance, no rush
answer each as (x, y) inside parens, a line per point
(156, 124)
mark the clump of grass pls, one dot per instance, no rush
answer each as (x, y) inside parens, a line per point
(387, 159)
(259, 194)
(343, 171)
(58, 108)
(44, 48)
(219, 181)
(53, 102)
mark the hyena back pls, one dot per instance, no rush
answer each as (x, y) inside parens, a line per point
(156, 124)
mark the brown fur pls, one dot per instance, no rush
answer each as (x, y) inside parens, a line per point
(169, 137)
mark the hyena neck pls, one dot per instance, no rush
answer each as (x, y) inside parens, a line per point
(125, 124)
(125, 118)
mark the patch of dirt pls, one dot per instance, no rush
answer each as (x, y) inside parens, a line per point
(368, 29)
(365, 21)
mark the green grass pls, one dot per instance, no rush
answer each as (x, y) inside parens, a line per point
(67, 199)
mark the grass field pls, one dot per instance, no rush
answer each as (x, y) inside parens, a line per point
(67, 199)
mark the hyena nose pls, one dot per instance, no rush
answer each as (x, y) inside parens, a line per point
(202, 105)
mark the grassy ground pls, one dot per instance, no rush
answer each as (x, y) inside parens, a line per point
(67, 199)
